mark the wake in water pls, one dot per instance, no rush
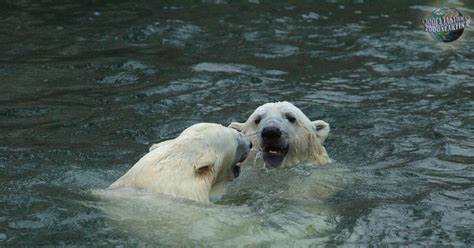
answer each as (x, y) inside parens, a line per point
(280, 206)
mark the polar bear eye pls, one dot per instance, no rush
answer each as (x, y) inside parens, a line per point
(290, 118)
(257, 120)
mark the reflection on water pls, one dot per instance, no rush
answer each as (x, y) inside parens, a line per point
(87, 87)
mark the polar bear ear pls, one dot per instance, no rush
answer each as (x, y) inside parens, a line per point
(203, 170)
(321, 128)
(205, 164)
(157, 145)
(153, 147)
(237, 125)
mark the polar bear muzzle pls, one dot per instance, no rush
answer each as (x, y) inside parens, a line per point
(274, 146)
(243, 150)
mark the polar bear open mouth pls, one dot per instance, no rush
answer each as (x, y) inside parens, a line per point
(235, 168)
(274, 156)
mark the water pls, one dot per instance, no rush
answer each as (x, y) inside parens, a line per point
(86, 87)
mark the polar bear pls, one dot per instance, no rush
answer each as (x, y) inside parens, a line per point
(284, 136)
(195, 164)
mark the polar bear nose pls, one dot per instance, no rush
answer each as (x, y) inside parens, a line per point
(271, 133)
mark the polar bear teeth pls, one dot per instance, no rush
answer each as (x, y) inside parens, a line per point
(273, 151)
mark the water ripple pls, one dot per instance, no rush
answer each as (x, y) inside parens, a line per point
(86, 88)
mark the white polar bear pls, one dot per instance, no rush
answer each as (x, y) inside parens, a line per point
(284, 136)
(199, 161)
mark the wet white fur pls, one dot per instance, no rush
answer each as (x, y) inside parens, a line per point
(306, 137)
(173, 167)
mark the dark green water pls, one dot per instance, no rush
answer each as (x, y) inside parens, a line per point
(87, 86)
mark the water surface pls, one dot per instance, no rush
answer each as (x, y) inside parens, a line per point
(86, 87)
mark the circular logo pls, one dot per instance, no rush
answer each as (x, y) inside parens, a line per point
(446, 24)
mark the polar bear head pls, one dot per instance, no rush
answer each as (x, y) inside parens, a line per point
(219, 150)
(197, 163)
(284, 136)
